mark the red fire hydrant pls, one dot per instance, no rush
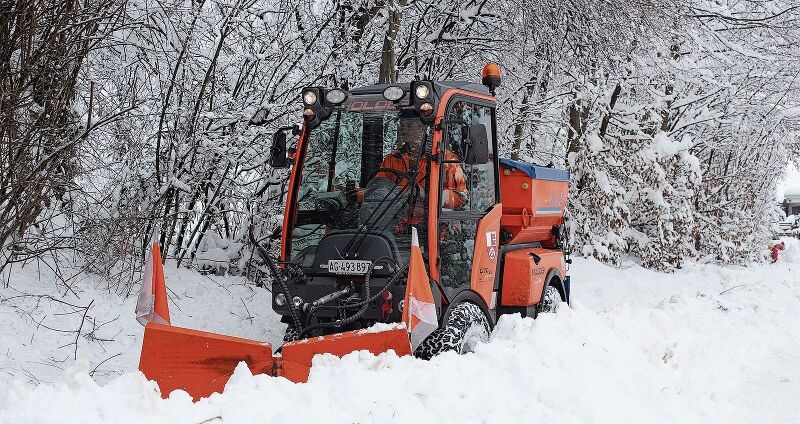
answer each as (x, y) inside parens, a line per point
(774, 249)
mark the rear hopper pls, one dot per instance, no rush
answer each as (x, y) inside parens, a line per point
(534, 198)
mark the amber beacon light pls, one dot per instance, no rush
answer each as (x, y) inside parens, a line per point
(491, 76)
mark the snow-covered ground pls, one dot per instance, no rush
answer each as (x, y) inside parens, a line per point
(705, 344)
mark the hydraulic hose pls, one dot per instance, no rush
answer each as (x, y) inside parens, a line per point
(280, 277)
(350, 319)
(364, 304)
(339, 323)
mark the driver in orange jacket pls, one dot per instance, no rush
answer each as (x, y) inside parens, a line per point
(396, 166)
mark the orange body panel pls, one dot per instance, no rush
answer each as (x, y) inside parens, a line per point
(200, 363)
(531, 207)
(523, 279)
(485, 254)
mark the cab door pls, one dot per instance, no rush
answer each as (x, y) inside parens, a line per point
(469, 220)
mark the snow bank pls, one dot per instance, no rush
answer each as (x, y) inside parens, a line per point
(705, 344)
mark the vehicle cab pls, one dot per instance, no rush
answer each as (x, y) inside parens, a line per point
(370, 164)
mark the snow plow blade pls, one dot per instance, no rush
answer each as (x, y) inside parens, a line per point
(196, 361)
(295, 362)
(200, 363)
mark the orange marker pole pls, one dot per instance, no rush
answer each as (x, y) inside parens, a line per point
(160, 303)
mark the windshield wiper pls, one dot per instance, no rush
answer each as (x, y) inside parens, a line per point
(348, 248)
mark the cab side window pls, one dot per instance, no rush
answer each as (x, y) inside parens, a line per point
(480, 193)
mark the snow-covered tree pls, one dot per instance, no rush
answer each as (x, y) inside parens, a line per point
(675, 118)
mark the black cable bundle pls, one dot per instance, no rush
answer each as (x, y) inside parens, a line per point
(364, 304)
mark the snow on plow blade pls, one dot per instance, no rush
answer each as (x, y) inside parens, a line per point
(201, 363)
(295, 362)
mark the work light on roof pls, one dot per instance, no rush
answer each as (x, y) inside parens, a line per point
(393, 93)
(336, 97)
(422, 92)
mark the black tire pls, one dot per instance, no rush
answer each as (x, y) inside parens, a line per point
(551, 300)
(465, 327)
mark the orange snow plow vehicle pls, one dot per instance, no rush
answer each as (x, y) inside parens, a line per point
(373, 168)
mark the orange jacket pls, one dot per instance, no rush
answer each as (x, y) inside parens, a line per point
(454, 193)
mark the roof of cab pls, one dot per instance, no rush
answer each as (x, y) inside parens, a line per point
(438, 86)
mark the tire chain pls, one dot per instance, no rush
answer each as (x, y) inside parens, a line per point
(450, 336)
(550, 301)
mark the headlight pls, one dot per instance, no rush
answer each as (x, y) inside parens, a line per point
(280, 299)
(309, 98)
(297, 300)
(425, 109)
(336, 97)
(422, 92)
(393, 93)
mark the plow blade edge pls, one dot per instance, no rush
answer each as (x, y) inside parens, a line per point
(200, 362)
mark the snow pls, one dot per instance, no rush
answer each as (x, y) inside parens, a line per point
(594, 142)
(663, 145)
(180, 185)
(603, 181)
(216, 253)
(703, 344)
(380, 327)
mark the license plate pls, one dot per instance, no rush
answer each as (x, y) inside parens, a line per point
(348, 267)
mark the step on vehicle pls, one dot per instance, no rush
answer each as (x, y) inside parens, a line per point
(369, 167)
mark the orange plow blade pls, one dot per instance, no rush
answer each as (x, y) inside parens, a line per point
(200, 363)
(196, 361)
(296, 360)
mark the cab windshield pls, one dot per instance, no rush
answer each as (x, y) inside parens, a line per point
(361, 188)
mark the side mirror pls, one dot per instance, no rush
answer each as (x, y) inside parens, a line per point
(277, 158)
(476, 147)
